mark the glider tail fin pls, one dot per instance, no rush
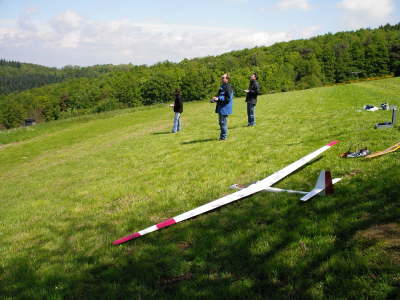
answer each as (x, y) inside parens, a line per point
(328, 182)
(324, 184)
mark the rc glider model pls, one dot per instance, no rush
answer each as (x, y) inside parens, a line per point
(258, 186)
(393, 148)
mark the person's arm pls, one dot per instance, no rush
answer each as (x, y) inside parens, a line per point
(179, 102)
(227, 94)
(255, 89)
(216, 97)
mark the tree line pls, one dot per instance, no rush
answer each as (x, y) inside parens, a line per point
(17, 76)
(285, 66)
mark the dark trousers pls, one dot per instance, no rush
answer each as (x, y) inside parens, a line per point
(251, 114)
(223, 125)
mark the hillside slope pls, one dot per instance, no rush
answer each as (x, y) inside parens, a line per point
(285, 66)
(71, 187)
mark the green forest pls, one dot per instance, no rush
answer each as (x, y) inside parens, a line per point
(17, 76)
(44, 94)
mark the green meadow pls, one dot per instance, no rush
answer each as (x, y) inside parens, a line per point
(69, 188)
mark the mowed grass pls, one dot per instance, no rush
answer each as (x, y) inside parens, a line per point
(70, 188)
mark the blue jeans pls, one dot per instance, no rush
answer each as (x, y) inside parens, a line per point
(223, 125)
(177, 122)
(251, 114)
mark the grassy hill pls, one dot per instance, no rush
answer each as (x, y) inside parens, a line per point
(286, 66)
(71, 187)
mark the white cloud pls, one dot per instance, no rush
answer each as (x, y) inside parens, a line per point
(361, 13)
(70, 18)
(294, 4)
(371, 8)
(308, 32)
(71, 39)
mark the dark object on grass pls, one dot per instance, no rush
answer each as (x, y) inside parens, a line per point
(385, 106)
(359, 153)
(388, 124)
(370, 107)
(30, 122)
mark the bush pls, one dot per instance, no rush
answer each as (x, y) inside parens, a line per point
(12, 114)
(107, 105)
(160, 88)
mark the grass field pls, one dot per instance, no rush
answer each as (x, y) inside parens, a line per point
(71, 187)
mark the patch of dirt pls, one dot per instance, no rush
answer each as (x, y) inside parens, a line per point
(176, 279)
(303, 248)
(353, 173)
(389, 231)
(184, 245)
(4, 146)
(389, 234)
(157, 219)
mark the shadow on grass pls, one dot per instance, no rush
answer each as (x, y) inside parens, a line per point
(161, 132)
(267, 246)
(199, 141)
(238, 126)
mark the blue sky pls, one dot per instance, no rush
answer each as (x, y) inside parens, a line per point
(88, 32)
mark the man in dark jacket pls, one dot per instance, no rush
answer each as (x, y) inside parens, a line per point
(224, 100)
(251, 99)
(178, 109)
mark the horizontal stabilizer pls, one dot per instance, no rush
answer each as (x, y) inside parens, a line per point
(276, 190)
(311, 194)
(238, 186)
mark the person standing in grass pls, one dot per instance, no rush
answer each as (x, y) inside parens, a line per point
(251, 99)
(178, 109)
(224, 100)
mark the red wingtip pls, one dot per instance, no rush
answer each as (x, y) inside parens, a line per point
(127, 238)
(333, 143)
(166, 223)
